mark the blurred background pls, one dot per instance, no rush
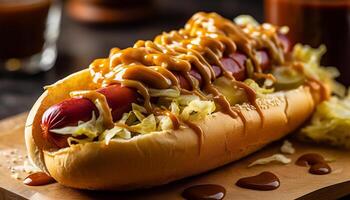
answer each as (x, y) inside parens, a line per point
(80, 42)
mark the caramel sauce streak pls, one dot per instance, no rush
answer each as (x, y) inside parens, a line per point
(142, 89)
(319, 86)
(242, 117)
(252, 98)
(221, 100)
(173, 118)
(264, 76)
(198, 130)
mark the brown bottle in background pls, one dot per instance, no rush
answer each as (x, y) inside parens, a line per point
(22, 27)
(316, 22)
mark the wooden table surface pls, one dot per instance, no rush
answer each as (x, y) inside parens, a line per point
(296, 182)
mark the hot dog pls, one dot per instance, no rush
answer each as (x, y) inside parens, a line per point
(209, 94)
(70, 111)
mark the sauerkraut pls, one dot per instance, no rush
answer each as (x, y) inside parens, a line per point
(330, 123)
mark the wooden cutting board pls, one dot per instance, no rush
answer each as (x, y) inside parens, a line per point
(295, 181)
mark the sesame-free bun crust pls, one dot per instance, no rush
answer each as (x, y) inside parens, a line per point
(162, 157)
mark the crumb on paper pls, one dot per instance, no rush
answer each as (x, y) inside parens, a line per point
(274, 158)
(287, 147)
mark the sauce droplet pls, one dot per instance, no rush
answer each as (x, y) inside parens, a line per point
(309, 159)
(320, 169)
(317, 163)
(37, 179)
(262, 181)
(204, 192)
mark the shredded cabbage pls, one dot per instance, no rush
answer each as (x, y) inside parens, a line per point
(175, 109)
(287, 147)
(71, 141)
(119, 132)
(194, 111)
(90, 129)
(330, 123)
(244, 20)
(311, 59)
(184, 100)
(274, 158)
(135, 122)
(136, 107)
(137, 110)
(192, 108)
(172, 93)
(165, 123)
(147, 125)
(197, 110)
(259, 90)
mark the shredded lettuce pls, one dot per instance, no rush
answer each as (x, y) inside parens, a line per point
(330, 123)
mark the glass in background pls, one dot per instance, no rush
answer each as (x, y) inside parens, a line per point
(29, 30)
(317, 22)
(109, 11)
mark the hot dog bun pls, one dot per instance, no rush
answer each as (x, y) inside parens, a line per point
(158, 158)
(34, 140)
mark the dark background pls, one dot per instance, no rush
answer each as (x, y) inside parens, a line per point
(79, 44)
